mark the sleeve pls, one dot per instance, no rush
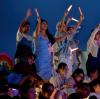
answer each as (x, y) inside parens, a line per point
(19, 36)
(28, 37)
(53, 81)
(92, 45)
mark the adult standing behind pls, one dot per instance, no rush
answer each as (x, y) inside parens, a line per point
(23, 39)
(64, 51)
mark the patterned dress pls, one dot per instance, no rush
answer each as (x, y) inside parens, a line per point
(63, 52)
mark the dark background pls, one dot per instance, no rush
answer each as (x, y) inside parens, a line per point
(13, 11)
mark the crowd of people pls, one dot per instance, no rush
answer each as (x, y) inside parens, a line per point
(49, 67)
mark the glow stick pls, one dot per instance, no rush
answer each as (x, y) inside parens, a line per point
(80, 10)
(74, 49)
(69, 8)
(75, 19)
(37, 12)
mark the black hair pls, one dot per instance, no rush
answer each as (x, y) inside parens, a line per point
(26, 85)
(77, 72)
(83, 89)
(83, 86)
(93, 97)
(47, 87)
(30, 55)
(98, 32)
(61, 66)
(23, 68)
(69, 27)
(94, 83)
(74, 96)
(92, 70)
(49, 35)
(25, 23)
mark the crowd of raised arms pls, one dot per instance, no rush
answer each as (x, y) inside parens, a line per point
(51, 67)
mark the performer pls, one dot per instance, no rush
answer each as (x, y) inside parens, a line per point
(24, 41)
(64, 48)
(44, 40)
(24, 28)
(59, 47)
(93, 49)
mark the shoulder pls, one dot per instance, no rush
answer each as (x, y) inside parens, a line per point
(19, 35)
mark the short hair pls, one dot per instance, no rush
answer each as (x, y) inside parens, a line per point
(93, 97)
(77, 72)
(61, 66)
(83, 89)
(48, 87)
(70, 27)
(25, 23)
(94, 83)
(74, 96)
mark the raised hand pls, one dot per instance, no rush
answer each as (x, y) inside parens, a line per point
(29, 13)
(37, 30)
(81, 13)
(67, 10)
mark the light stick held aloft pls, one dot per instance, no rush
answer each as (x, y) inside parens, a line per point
(36, 12)
(69, 8)
(80, 10)
(75, 19)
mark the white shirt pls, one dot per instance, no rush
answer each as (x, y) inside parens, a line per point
(20, 35)
(92, 46)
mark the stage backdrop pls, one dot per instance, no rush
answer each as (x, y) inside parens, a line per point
(13, 11)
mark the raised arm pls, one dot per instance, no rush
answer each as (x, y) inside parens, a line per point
(78, 22)
(28, 14)
(68, 20)
(60, 38)
(64, 17)
(37, 30)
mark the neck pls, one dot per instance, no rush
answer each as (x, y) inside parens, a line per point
(43, 32)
